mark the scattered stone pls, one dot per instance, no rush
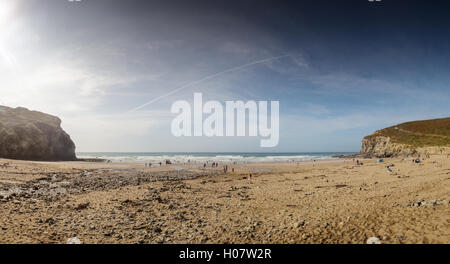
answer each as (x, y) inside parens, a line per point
(422, 202)
(401, 238)
(299, 224)
(82, 206)
(50, 221)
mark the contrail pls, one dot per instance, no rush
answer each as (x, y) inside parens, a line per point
(207, 78)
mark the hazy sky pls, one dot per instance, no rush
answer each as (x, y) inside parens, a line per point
(353, 67)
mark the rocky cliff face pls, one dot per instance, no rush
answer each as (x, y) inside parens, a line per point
(381, 147)
(417, 137)
(32, 135)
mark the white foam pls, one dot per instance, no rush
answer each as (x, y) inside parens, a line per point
(221, 158)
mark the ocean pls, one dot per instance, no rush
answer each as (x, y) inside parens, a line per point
(201, 157)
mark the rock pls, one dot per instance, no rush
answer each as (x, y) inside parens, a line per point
(5, 195)
(299, 224)
(373, 240)
(74, 240)
(381, 146)
(431, 203)
(401, 238)
(32, 135)
(82, 206)
(50, 221)
(402, 139)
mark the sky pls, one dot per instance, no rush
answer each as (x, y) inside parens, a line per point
(347, 68)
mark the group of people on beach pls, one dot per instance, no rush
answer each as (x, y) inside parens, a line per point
(149, 165)
(216, 165)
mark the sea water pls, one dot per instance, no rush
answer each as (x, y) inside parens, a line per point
(202, 157)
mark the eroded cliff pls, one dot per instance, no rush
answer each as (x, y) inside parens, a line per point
(32, 135)
(418, 137)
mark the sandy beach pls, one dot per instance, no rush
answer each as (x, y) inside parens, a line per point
(308, 202)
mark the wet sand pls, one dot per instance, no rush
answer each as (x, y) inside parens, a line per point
(309, 202)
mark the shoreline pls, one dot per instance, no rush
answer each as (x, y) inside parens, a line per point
(208, 157)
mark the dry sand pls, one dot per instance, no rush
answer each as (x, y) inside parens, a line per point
(322, 202)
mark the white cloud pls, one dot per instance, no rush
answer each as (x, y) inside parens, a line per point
(109, 132)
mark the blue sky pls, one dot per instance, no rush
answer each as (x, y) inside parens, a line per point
(353, 67)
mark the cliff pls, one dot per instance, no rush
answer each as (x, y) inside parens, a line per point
(32, 135)
(418, 137)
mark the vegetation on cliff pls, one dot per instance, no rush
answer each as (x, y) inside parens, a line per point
(435, 132)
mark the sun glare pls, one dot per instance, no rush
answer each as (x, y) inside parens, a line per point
(6, 8)
(6, 11)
